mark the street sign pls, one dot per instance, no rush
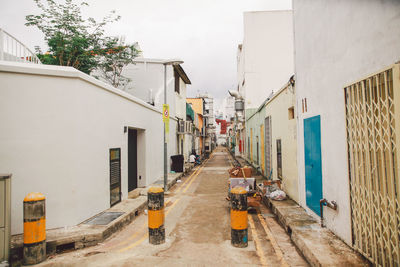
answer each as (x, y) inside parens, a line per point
(165, 112)
(166, 120)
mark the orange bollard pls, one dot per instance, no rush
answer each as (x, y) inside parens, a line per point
(34, 228)
(156, 217)
(239, 235)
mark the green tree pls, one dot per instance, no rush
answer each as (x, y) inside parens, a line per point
(72, 40)
(113, 58)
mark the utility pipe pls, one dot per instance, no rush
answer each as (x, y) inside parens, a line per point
(324, 202)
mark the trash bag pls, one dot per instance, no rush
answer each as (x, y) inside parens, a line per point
(278, 195)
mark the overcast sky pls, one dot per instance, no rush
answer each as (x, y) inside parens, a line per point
(203, 33)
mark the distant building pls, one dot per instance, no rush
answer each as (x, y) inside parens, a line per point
(227, 109)
(198, 106)
(204, 105)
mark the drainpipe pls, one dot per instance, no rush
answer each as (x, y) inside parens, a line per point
(324, 202)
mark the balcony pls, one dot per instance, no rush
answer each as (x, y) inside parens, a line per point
(185, 127)
(13, 50)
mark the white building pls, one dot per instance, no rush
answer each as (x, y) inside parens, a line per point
(209, 122)
(78, 141)
(147, 83)
(265, 59)
(337, 44)
(228, 108)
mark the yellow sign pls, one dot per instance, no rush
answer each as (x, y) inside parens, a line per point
(165, 112)
(166, 119)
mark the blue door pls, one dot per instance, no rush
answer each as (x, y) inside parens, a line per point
(312, 159)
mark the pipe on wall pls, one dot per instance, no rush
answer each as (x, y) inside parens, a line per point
(324, 202)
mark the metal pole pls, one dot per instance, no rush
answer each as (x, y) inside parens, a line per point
(165, 141)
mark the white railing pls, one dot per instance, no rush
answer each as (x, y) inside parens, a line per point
(13, 50)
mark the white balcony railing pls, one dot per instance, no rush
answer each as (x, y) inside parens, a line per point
(13, 50)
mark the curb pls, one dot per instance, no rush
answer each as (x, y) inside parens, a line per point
(319, 246)
(79, 236)
(83, 235)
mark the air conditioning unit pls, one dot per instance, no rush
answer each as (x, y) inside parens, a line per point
(188, 127)
(181, 127)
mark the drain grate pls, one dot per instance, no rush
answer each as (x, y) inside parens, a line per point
(104, 218)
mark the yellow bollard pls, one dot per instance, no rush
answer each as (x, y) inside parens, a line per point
(155, 204)
(34, 250)
(239, 234)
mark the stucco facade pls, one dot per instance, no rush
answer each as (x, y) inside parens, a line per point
(337, 43)
(265, 59)
(198, 106)
(280, 111)
(147, 83)
(58, 125)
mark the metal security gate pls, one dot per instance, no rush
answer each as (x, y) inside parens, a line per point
(268, 146)
(115, 176)
(372, 111)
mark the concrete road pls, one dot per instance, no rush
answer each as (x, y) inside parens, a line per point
(197, 231)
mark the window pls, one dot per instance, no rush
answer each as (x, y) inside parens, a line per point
(291, 113)
(304, 104)
(176, 75)
(279, 158)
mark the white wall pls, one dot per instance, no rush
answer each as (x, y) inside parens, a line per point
(228, 108)
(148, 76)
(241, 87)
(284, 129)
(180, 101)
(57, 126)
(336, 43)
(267, 54)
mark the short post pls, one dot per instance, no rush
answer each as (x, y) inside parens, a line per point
(155, 207)
(239, 217)
(34, 229)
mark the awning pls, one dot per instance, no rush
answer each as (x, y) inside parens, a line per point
(189, 111)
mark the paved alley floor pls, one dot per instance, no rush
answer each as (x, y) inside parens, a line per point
(197, 227)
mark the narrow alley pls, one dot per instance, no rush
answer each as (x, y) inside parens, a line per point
(197, 230)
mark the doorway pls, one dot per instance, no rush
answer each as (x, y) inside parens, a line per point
(132, 160)
(312, 160)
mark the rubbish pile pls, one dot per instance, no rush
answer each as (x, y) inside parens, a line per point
(240, 172)
(272, 189)
(241, 177)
